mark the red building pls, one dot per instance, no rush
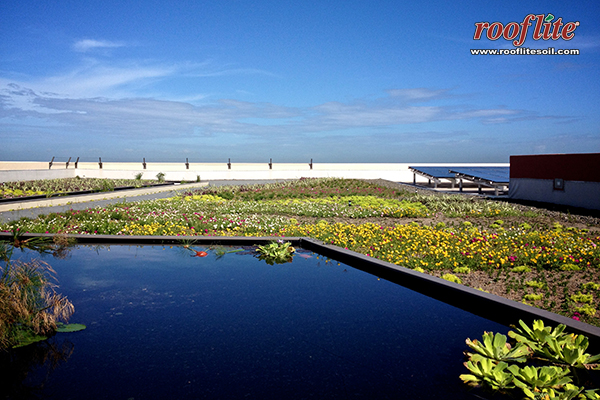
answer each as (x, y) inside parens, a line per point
(565, 179)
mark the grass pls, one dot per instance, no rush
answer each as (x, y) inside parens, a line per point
(30, 309)
(494, 246)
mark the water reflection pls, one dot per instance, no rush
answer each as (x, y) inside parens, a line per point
(26, 370)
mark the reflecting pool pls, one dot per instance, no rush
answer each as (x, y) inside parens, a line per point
(165, 324)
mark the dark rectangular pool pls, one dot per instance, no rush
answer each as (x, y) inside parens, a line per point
(162, 324)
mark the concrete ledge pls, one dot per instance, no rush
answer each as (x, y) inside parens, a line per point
(489, 306)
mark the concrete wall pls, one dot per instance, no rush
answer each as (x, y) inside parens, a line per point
(538, 177)
(35, 174)
(574, 194)
(397, 172)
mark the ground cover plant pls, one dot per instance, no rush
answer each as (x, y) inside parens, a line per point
(548, 260)
(49, 187)
(541, 362)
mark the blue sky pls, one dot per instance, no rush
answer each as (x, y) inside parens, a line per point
(335, 81)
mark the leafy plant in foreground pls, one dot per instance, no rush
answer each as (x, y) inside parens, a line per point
(29, 306)
(569, 351)
(532, 379)
(495, 347)
(486, 371)
(30, 309)
(278, 252)
(490, 367)
(536, 336)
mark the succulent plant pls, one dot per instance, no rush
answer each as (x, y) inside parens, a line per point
(535, 378)
(495, 347)
(486, 371)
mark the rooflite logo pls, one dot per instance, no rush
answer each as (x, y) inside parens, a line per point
(544, 29)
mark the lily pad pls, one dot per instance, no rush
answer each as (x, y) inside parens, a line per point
(69, 327)
(25, 338)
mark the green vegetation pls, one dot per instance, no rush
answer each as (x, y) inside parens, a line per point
(30, 309)
(555, 357)
(451, 278)
(278, 252)
(55, 186)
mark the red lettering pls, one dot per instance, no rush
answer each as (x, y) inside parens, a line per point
(511, 30)
(495, 31)
(547, 27)
(517, 32)
(524, 28)
(480, 27)
(537, 35)
(567, 32)
(556, 32)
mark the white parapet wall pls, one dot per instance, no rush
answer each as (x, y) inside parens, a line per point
(397, 172)
(573, 193)
(34, 174)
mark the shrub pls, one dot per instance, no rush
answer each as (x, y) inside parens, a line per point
(586, 309)
(107, 185)
(29, 307)
(582, 298)
(461, 270)
(534, 284)
(570, 267)
(590, 286)
(452, 278)
(532, 297)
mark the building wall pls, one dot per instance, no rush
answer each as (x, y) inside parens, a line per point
(397, 172)
(564, 179)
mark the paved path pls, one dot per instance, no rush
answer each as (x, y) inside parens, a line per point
(33, 208)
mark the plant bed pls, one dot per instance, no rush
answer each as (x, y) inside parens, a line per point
(80, 192)
(33, 190)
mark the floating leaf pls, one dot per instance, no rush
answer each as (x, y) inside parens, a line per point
(25, 338)
(69, 327)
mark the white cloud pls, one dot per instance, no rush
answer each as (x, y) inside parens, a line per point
(86, 45)
(148, 117)
(417, 94)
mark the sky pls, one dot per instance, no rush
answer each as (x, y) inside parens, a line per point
(333, 81)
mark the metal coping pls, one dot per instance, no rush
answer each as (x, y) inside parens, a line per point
(490, 174)
(489, 306)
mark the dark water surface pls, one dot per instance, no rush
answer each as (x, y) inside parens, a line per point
(164, 325)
